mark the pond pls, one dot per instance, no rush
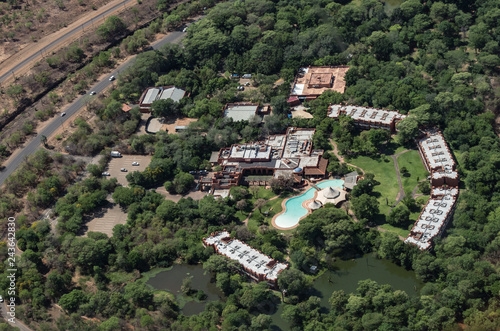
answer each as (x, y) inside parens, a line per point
(344, 276)
(171, 281)
(347, 274)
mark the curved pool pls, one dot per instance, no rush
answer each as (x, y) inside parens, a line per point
(293, 207)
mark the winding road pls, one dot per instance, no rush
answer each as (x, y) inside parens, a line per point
(17, 158)
(20, 62)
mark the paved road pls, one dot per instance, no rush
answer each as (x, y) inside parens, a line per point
(19, 324)
(48, 48)
(33, 145)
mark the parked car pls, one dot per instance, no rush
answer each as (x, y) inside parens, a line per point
(92, 93)
(105, 173)
(63, 114)
(1, 299)
(135, 163)
(123, 170)
(112, 78)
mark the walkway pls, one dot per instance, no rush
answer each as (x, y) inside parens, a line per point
(401, 193)
(341, 158)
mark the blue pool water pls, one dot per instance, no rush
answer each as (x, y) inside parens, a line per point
(293, 207)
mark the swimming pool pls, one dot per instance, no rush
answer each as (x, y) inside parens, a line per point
(293, 207)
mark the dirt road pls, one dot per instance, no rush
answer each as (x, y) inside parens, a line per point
(21, 62)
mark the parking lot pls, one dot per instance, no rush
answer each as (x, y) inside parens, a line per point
(125, 162)
(112, 215)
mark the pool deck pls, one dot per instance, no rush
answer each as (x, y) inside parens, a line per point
(305, 205)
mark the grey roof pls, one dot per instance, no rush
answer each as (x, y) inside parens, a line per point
(350, 180)
(174, 93)
(331, 193)
(214, 157)
(315, 205)
(151, 95)
(352, 174)
(240, 112)
(267, 164)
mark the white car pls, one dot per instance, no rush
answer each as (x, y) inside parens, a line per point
(1, 299)
(123, 170)
(92, 93)
(63, 114)
(112, 78)
(135, 163)
(105, 173)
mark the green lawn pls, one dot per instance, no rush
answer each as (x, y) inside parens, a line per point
(401, 232)
(416, 171)
(385, 174)
(273, 206)
(263, 193)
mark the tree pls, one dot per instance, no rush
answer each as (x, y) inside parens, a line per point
(124, 196)
(15, 91)
(71, 301)
(112, 27)
(281, 184)
(254, 190)
(218, 264)
(365, 185)
(241, 205)
(424, 187)
(259, 204)
(110, 325)
(182, 183)
(399, 215)
(165, 108)
(408, 129)
(279, 105)
(365, 206)
(293, 281)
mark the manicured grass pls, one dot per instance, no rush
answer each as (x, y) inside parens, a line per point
(401, 232)
(263, 193)
(416, 171)
(273, 206)
(241, 215)
(385, 174)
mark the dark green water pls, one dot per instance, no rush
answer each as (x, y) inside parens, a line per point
(347, 274)
(344, 276)
(171, 281)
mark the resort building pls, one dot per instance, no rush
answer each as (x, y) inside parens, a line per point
(311, 82)
(152, 94)
(244, 111)
(366, 117)
(433, 218)
(289, 155)
(350, 180)
(444, 179)
(437, 159)
(256, 265)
